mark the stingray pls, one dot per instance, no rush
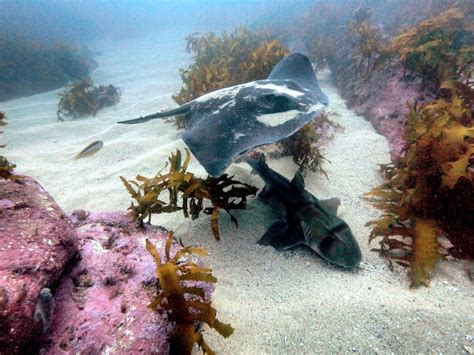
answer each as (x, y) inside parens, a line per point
(223, 124)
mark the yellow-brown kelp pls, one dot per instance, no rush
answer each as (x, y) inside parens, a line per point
(184, 303)
(428, 193)
(321, 52)
(366, 38)
(222, 192)
(226, 60)
(438, 49)
(83, 98)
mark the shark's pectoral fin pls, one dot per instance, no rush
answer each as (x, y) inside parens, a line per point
(279, 237)
(331, 204)
(266, 194)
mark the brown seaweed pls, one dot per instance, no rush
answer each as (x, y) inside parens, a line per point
(187, 193)
(367, 41)
(303, 145)
(438, 49)
(83, 98)
(428, 193)
(226, 60)
(184, 303)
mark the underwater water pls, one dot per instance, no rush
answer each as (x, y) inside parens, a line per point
(277, 301)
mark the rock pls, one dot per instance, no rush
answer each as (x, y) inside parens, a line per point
(102, 305)
(36, 242)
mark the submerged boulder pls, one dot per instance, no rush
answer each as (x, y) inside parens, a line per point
(36, 242)
(102, 305)
(79, 283)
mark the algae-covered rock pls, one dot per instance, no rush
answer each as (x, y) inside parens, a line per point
(102, 305)
(36, 242)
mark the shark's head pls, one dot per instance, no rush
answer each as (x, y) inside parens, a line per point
(330, 237)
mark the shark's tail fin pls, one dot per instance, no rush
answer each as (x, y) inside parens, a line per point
(173, 112)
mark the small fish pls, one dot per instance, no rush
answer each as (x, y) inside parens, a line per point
(45, 309)
(304, 219)
(91, 149)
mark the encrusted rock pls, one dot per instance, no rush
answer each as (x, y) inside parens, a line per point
(102, 305)
(36, 242)
(382, 98)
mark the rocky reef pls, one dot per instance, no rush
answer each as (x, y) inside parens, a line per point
(101, 304)
(77, 284)
(37, 240)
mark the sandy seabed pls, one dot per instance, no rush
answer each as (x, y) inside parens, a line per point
(290, 302)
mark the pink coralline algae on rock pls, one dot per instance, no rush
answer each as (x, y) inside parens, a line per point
(382, 97)
(36, 242)
(102, 305)
(384, 100)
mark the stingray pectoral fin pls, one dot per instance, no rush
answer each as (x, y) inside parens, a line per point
(297, 67)
(168, 113)
(279, 237)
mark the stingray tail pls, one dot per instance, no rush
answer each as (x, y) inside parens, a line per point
(173, 112)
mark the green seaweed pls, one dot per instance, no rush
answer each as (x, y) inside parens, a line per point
(187, 193)
(184, 303)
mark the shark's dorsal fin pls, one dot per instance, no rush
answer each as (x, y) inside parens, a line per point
(298, 181)
(331, 204)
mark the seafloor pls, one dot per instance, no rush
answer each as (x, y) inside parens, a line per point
(289, 302)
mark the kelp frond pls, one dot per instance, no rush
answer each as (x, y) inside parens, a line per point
(438, 49)
(83, 98)
(187, 193)
(428, 192)
(226, 60)
(367, 40)
(183, 302)
(322, 50)
(303, 145)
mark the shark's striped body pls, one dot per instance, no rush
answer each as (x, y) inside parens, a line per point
(303, 219)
